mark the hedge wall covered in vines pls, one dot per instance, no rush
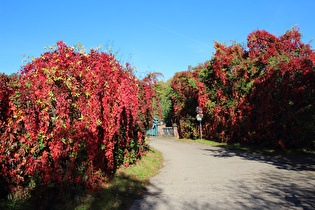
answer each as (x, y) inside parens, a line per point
(71, 117)
(261, 94)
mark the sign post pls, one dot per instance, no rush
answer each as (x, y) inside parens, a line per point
(199, 118)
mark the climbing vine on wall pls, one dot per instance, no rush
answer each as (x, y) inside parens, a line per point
(260, 94)
(71, 117)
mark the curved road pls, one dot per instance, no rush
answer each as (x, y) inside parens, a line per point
(198, 176)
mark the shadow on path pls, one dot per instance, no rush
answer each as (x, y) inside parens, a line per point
(155, 199)
(274, 189)
(274, 192)
(297, 163)
(145, 202)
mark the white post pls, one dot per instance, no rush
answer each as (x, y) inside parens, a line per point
(200, 130)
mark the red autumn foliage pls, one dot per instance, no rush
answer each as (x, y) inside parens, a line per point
(261, 95)
(5, 93)
(73, 116)
(184, 102)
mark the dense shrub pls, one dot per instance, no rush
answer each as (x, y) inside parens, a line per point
(262, 94)
(5, 93)
(74, 118)
(184, 103)
(281, 103)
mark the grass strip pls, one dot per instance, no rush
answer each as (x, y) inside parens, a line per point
(203, 141)
(127, 185)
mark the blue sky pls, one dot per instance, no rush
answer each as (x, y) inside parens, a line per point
(157, 36)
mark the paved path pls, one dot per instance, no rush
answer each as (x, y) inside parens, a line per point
(197, 176)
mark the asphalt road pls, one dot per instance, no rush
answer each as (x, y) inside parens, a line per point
(198, 176)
